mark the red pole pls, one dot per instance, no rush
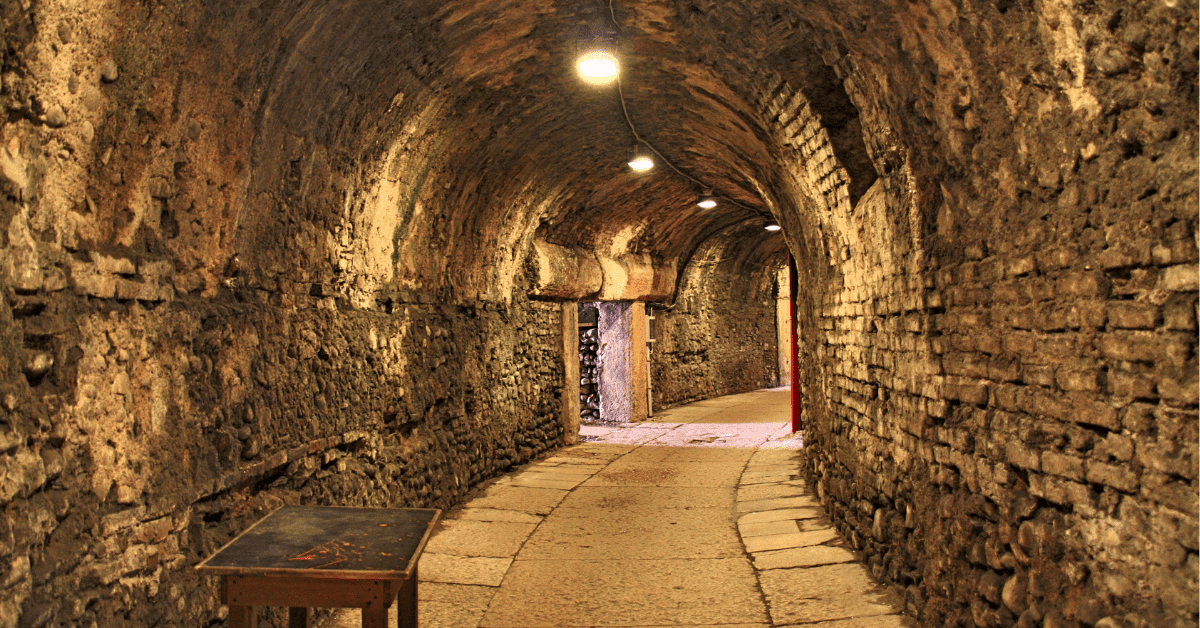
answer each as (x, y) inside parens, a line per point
(795, 370)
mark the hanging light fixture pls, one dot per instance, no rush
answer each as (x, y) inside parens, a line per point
(707, 200)
(773, 227)
(598, 66)
(640, 159)
(597, 61)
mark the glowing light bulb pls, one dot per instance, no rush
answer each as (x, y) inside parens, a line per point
(598, 67)
(773, 227)
(641, 163)
(640, 159)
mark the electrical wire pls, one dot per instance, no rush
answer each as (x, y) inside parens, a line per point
(638, 138)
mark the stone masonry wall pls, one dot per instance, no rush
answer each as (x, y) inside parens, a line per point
(999, 365)
(159, 430)
(1029, 453)
(720, 336)
(187, 339)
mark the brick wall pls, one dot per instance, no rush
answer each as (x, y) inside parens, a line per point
(999, 369)
(1027, 437)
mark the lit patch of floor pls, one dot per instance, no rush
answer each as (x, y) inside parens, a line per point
(754, 435)
(768, 405)
(759, 419)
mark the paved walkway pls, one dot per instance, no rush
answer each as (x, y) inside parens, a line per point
(666, 524)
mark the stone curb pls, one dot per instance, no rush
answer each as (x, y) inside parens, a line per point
(806, 573)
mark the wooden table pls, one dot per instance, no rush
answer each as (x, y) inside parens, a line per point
(306, 557)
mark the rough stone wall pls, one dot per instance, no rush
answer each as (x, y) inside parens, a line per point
(719, 338)
(616, 358)
(159, 432)
(1000, 390)
(188, 338)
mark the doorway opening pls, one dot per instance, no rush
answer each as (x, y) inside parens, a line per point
(589, 363)
(614, 373)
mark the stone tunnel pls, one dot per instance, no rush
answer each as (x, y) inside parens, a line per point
(266, 252)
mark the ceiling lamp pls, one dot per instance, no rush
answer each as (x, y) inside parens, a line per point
(773, 227)
(598, 64)
(707, 200)
(597, 61)
(640, 159)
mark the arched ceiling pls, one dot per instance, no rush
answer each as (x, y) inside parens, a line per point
(368, 145)
(476, 109)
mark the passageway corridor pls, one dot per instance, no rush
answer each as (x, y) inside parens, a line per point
(387, 254)
(688, 532)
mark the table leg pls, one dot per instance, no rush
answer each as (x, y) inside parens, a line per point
(375, 614)
(243, 617)
(298, 617)
(406, 603)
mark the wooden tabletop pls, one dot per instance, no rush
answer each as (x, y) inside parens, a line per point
(328, 542)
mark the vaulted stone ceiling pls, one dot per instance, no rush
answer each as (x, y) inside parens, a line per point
(459, 128)
(479, 107)
(427, 145)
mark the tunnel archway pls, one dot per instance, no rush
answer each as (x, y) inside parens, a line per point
(307, 251)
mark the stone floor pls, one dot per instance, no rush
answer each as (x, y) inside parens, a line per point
(759, 419)
(685, 521)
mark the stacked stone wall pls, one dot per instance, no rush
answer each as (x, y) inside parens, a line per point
(1000, 385)
(255, 254)
(190, 335)
(1027, 438)
(998, 337)
(1021, 447)
(160, 430)
(719, 338)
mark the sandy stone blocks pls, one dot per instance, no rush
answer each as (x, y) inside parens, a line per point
(1085, 284)
(496, 539)
(781, 502)
(811, 556)
(770, 491)
(549, 480)
(1022, 456)
(831, 592)
(791, 543)
(1133, 314)
(629, 593)
(521, 498)
(1119, 477)
(766, 478)
(767, 528)
(1143, 346)
(789, 540)
(1180, 278)
(1131, 385)
(783, 514)
(451, 605)
(1061, 491)
(452, 569)
(1070, 467)
(495, 514)
(634, 533)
